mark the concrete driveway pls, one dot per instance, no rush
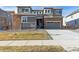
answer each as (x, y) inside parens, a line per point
(69, 40)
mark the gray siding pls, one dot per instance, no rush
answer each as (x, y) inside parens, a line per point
(73, 23)
(31, 23)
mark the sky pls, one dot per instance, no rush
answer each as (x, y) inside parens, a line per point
(66, 9)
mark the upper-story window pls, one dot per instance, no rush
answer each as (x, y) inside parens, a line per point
(34, 12)
(57, 12)
(47, 11)
(75, 22)
(24, 10)
(39, 12)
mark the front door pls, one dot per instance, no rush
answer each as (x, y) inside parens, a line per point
(40, 23)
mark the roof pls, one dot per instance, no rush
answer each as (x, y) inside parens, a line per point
(40, 9)
(37, 10)
(51, 8)
(74, 12)
(11, 11)
(2, 11)
(24, 6)
(25, 14)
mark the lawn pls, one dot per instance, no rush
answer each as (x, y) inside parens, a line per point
(26, 35)
(42, 48)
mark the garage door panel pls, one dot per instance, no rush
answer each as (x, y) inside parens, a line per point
(53, 25)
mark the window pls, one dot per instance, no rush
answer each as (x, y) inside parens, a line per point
(58, 12)
(35, 12)
(39, 12)
(48, 11)
(22, 10)
(75, 22)
(24, 19)
(45, 11)
(26, 10)
(52, 11)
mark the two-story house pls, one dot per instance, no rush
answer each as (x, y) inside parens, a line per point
(48, 18)
(72, 20)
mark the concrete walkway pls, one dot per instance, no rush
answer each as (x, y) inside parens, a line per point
(67, 39)
(28, 42)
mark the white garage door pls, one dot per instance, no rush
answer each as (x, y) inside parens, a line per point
(53, 25)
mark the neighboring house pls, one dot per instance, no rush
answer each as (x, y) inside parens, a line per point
(72, 20)
(5, 20)
(48, 18)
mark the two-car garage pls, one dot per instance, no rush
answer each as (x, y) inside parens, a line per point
(53, 22)
(53, 25)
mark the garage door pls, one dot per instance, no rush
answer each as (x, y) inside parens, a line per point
(53, 25)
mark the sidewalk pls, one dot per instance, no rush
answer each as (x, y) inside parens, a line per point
(27, 42)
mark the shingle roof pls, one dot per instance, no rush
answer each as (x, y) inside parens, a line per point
(24, 6)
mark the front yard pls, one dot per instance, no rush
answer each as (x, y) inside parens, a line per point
(43, 48)
(24, 35)
(29, 40)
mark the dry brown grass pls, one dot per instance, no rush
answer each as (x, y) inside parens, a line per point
(24, 35)
(31, 48)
